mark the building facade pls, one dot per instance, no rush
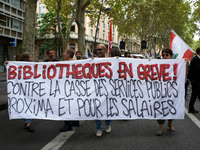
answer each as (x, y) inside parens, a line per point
(11, 29)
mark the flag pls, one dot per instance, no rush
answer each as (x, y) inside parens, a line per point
(110, 38)
(89, 54)
(179, 47)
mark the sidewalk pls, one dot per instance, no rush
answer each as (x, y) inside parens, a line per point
(2, 76)
(3, 97)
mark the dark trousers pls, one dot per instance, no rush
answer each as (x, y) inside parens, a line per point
(71, 123)
(68, 124)
(195, 93)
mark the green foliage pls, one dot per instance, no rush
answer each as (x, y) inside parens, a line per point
(195, 45)
(47, 28)
(151, 18)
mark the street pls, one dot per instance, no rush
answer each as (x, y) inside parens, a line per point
(131, 134)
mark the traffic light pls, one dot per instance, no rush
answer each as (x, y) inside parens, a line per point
(143, 44)
(122, 45)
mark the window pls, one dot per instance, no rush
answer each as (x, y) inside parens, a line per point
(91, 31)
(16, 3)
(98, 34)
(3, 20)
(15, 24)
(41, 10)
(104, 25)
(103, 35)
(73, 28)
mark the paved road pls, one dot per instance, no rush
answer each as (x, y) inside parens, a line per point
(132, 134)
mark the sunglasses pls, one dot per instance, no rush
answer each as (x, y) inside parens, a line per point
(165, 55)
(99, 49)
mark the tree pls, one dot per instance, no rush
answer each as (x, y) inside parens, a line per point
(80, 20)
(28, 42)
(151, 18)
(70, 10)
(47, 26)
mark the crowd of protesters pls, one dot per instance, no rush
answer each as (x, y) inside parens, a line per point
(192, 76)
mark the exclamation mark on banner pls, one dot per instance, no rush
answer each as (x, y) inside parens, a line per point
(175, 71)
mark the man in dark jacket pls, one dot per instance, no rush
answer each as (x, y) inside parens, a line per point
(194, 78)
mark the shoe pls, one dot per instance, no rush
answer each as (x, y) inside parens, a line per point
(108, 128)
(25, 125)
(193, 111)
(63, 129)
(99, 133)
(159, 133)
(30, 129)
(171, 128)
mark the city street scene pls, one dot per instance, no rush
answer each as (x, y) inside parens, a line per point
(93, 74)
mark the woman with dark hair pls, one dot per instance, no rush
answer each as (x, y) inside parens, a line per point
(26, 56)
(115, 52)
(166, 54)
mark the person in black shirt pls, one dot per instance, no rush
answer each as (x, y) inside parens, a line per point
(193, 77)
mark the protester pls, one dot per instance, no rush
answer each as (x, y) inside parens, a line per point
(115, 52)
(18, 57)
(78, 55)
(101, 53)
(27, 125)
(166, 54)
(186, 79)
(193, 76)
(50, 55)
(127, 54)
(26, 56)
(68, 56)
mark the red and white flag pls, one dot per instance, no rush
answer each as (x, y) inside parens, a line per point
(179, 47)
(110, 38)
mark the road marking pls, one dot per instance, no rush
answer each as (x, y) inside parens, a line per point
(193, 118)
(58, 141)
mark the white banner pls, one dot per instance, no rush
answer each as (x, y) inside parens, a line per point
(99, 88)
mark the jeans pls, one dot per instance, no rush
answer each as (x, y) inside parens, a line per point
(27, 120)
(99, 125)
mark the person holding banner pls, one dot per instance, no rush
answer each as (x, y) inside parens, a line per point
(51, 56)
(78, 55)
(193, 76)
(26, 56)
(68, 56)
(115, 52)
(166, 54)
(101, 53)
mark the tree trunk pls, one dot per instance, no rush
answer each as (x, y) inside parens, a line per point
(64, 40)
(80, 20)
(28, 42)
